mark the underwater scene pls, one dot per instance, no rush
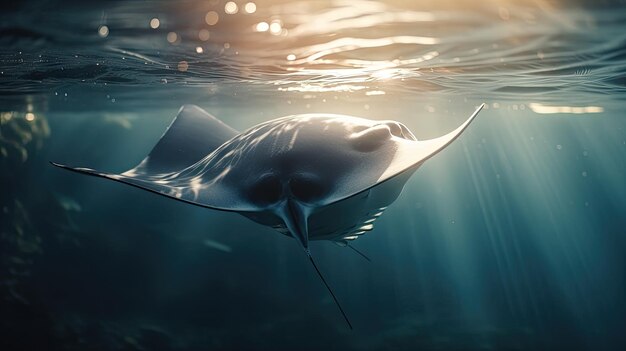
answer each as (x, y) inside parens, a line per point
(511, 237)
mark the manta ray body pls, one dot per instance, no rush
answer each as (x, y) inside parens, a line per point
(311, 176)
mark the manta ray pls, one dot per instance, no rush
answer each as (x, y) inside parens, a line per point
(308, 176)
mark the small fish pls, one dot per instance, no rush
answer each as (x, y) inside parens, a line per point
(217, 246)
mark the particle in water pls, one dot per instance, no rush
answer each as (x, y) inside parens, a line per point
(559, 147)
(250, 7)
(199, 49)
(226, 45)
(103, 31)
(262, 27)
(164, 80)
(155, 23)
(276, 27)
(211, 18)
(183, 66)
(584, 174)
(291, 57)
(172, 37)
(30, 116)
(204, 35)
(231, 8)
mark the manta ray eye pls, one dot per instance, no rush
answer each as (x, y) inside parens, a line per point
(306, 189)
(266, 190)
(399, 130)
(395, 129)
(371, 138)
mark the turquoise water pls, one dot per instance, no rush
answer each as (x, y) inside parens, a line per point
(514, 237)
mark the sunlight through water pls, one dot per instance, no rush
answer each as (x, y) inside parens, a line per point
(512, 238)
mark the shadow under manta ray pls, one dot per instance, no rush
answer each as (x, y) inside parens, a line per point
(311, 176)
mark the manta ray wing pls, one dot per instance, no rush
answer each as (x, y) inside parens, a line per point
(192, 135)
(414, 153)
(406, 158)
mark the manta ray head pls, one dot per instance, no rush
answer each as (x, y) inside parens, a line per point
(290, 168)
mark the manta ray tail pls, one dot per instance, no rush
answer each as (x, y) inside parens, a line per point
(329, 290)
(295, 218)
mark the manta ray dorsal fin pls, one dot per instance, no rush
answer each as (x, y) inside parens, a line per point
(192, 135)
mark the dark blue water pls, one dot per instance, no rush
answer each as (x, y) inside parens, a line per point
(513, 238)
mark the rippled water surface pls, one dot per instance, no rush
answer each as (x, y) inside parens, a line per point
(512, 238)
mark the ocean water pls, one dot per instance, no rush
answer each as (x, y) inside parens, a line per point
(513, 238)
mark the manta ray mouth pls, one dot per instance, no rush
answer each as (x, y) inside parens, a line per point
(295, 216)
